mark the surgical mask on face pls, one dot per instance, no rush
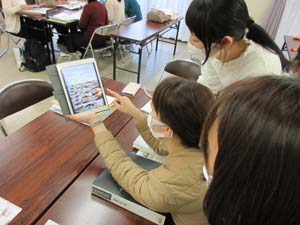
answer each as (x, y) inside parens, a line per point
(150, 122)
(197, 54)
(207, 177)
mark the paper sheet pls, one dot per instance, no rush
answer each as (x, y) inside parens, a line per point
(147, 107)
(8, 211)
(51, 222)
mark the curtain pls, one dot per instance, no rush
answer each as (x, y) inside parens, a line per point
(179, 6)
(274, 19)
(290, 22)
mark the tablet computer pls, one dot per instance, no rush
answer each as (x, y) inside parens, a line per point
(82, 86)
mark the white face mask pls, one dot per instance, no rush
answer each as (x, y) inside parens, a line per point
(150, 122)
(197, 54)
(207, 177)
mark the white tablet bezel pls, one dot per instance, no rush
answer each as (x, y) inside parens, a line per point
(68, 98)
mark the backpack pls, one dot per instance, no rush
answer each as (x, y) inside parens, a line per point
(35, 55)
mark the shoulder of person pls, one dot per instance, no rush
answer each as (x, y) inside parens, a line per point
(261, 60)
(181, 164)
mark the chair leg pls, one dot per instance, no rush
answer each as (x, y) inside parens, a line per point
(149, 51)
(121, 53)
(92, 50)
(3, 129)
(161, 76)
(86, 51)
(4, 51)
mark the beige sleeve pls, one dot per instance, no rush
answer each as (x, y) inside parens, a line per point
(144, 186)
(157, 145)
(11, 7)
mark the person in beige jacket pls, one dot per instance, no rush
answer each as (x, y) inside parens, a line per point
(179, 108)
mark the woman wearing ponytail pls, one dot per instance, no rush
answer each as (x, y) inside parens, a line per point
(230, 45)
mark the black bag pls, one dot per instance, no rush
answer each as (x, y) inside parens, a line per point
(35, 55)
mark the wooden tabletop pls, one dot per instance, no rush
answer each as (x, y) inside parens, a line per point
(142, 30)
(40, 161)
(291, 43)
(78, 207)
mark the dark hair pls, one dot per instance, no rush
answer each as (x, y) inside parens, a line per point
(212, 20)
(256, 178)
(183, 105)
(91, 1)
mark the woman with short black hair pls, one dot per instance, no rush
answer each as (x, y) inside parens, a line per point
(230, 44)
(179, 108)
(251, 143)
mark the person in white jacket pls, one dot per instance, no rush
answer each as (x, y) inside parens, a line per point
(229, 44)
(15, 25)
(115, 11)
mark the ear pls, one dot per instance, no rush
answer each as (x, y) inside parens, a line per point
(168, 132)
(227, 42)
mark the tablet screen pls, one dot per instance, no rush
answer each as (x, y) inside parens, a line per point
(83, 87)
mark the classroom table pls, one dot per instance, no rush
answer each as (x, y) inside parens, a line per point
(142, 33)
(42, 160)
(48, 25)
(289, 44)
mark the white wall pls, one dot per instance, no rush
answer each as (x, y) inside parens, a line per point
(259, 10)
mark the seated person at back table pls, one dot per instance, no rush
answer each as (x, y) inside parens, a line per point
(132, 8)
(94, 15)
(179, 108)
(115, 11)
(21, 27)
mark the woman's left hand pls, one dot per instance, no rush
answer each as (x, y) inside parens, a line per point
(84, 118)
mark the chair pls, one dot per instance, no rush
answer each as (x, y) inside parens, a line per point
(102, 31)
(126, 22)
(22, 94)
(3, 32)
(184, 68)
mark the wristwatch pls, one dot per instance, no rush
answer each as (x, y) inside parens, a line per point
(96, 123)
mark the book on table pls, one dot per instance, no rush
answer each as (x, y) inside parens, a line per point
(145, 150)
(36, 11)
(107, 188)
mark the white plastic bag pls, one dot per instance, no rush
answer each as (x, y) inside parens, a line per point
(19, 55)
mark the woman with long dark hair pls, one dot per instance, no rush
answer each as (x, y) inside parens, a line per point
(251, 143)
(230, 44)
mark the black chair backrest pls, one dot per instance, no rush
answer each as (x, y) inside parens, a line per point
(184, 68)
(22, 94)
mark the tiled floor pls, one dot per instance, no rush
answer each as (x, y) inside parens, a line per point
(152, 66)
